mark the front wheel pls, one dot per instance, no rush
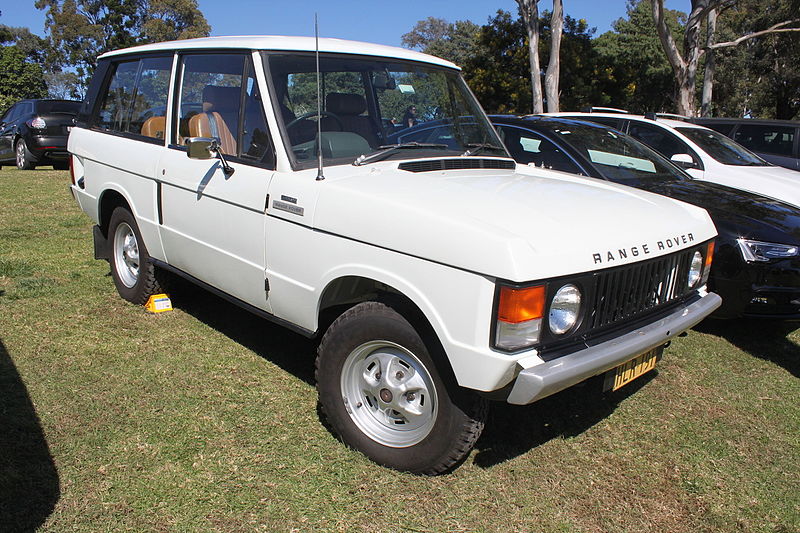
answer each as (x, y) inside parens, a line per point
(24, 156)
(134, 275)
(383, 395)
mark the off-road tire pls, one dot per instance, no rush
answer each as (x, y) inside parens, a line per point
(134, 275)
(379, 333)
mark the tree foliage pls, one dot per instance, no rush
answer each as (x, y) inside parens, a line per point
(760, 77)
(19, 77)
(80, 30)
(499, 71)
(635, 72)
(456, 41)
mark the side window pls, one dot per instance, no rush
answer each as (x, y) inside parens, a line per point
(220, 98)
(660, 140)
(778, 140)
(527, 147)
(136, 98)
(9, 114)
(149, 111)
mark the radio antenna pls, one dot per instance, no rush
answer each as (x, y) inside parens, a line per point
(320, 176)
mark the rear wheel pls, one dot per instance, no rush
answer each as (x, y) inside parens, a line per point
(381, 392)
(134, 275)
(24, 156)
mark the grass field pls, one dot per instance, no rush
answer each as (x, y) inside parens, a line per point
(205, 419)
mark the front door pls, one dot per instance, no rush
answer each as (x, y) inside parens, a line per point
(213, 223)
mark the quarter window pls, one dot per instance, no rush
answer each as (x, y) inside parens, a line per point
(135, 101)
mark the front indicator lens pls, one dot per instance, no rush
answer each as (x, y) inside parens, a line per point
(565, 309)
(519, 317)
(759, 251)
(695, 269)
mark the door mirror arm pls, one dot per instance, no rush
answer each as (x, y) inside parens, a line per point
(207, 148)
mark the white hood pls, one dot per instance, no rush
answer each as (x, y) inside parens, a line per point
(519, 225)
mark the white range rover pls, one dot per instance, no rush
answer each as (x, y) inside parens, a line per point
(435, 272)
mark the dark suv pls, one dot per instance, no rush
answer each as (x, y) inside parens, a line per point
(34, 132)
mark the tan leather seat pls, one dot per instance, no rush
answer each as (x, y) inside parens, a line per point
(154, 127)
(218, 102)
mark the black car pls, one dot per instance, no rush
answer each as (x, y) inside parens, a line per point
(777, 141)
(34, 132)
(756, 265)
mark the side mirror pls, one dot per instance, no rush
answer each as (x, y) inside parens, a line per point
(683, 161)
(207, 148)
(201, 148)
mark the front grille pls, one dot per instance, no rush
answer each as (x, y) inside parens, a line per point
(622, 298)
(624, 293)
(461, 163)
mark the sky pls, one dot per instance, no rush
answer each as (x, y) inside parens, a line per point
(375, 21)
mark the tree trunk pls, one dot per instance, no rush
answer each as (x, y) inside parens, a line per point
(708, 77)
(530, 14)
(554, 66)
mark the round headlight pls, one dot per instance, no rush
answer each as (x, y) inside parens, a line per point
(696, 269)
(565, 309)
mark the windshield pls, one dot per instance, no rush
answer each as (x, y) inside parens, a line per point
(615, 155)
(721, 148)
(371, 104)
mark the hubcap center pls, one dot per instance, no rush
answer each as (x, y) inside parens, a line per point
(386, 395)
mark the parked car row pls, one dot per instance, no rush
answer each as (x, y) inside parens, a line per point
(757, 258)
(34, 132)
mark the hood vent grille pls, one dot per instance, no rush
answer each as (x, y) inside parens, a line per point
(461, 163)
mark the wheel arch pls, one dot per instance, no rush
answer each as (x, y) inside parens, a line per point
(345, 291)
(109, 200)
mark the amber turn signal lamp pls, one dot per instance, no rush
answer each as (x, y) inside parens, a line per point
(709, 254)
(520, 305)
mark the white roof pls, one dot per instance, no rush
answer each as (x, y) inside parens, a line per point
(282, 42)
(659, 120)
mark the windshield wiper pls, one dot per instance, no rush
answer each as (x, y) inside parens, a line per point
(388, 149)
(475, 148)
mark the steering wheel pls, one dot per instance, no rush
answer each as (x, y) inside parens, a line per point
(304, 116)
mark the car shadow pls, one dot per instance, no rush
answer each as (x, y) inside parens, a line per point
(29, 482)
(291, 351)
(764, 339)
(513, 430)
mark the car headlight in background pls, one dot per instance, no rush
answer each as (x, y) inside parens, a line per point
(519, 317)
(759, 251)
(565, 309)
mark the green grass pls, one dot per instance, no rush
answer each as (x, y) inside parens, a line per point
(205, 419)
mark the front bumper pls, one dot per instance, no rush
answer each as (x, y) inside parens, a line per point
(542, 380)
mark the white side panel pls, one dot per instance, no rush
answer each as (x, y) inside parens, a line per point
(302, 262)
(127, 166)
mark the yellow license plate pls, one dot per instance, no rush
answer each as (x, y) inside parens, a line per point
(627, 372)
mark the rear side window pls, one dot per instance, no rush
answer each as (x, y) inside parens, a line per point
(135, 100)
(777, 140)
